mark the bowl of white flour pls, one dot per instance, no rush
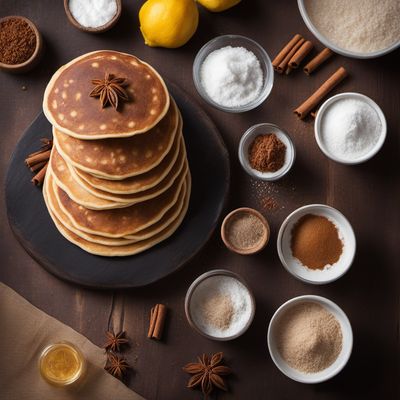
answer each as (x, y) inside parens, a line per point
(356, 28)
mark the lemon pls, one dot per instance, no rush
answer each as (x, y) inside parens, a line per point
(168, 23)
(218, 5)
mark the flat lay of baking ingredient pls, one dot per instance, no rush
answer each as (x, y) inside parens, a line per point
(267, 153)
(218, 5)
(232, 76)
(315, 242)
(350, 128)
(362, 26)
(17, 41)
(208, 373)
(168, 23)
(309, 337)
(93, 13)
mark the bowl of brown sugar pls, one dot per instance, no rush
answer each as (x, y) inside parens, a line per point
(316, 244)
(245, 231)
(266, 152)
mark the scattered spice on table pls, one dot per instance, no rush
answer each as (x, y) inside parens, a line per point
(115, 341)
(309, 337)
(269, 203)
(208, 373)
(158, 315)
(315, 241)
(17, 41)
(37, 162)
(116, 365)
(267, 153)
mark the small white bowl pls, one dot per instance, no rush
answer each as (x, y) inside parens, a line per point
(293, 265)
(336, 49)
(339, 363)
(319, 135)
(247, 139)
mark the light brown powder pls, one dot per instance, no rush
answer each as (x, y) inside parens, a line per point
(309, 337)
(218, 310)
(245, 231)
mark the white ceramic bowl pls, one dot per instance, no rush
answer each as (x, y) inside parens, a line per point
(319, 134)
(333, 47)
(339, 363)
(293, 266)
(247, 139)
(235, 41)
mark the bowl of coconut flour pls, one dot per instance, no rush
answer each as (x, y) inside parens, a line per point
(219, 305)
(233, 73)
(355, 28)
(350, 128)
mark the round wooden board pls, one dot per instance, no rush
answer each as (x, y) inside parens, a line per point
(32, 225)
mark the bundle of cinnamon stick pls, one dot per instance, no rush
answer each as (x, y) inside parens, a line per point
(37, 162)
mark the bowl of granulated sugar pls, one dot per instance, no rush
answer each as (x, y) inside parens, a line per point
(219, 305)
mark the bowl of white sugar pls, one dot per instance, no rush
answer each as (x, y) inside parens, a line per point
(356, 28)
(350, 128)
(219, 305)
(233, 73)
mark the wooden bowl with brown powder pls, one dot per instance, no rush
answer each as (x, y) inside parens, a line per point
(245, 231)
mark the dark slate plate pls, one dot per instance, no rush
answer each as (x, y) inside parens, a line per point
(33, 227)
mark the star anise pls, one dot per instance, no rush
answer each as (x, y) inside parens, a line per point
(115, 341)
(116, 365)
(110, 90)
(207, 373)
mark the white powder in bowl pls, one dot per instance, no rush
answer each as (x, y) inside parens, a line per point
(220, 306)
(93, 13)
(232, 76)
(362, 26)
(350, 128)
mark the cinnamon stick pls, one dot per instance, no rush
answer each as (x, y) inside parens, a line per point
(284, 63)
(300, 54)
(314, 113)
(38, 179)
(304, 109)
(37, 158)
(283, 53)
(318, 60)
(37, 166)
(157, 321)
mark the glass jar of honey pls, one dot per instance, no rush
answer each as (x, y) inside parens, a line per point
(62, 364)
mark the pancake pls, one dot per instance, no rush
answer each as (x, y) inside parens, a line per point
(120, 222)
(131, 249)
(118, 159)
(127, 199)
(170, 216)
(68, 106)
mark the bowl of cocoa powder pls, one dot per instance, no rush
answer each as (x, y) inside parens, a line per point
(266, 152)
(21, 44)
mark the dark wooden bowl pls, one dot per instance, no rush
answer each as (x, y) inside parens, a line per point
(99, 29)
(34, 58)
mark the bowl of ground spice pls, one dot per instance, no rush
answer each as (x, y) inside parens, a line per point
(310, 339)
(245, 231)
(266, 152)
(21, 44)
(316, 244)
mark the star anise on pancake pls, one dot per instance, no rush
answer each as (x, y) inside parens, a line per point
(207, 373)
(110, 90)
(115, 340)
(116, 365)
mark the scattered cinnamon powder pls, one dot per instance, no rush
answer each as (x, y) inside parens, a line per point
(267, 153)
(269, 203)
(218, 310)
(309, 337)
(315, 241)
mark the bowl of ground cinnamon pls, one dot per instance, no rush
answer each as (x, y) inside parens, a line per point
(316, 244)
(21, 44)
(266, 152)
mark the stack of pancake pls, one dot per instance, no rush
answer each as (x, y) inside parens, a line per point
(118, 180)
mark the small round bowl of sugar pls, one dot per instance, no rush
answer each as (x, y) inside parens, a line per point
(350, 128)
(266, 152)
(310, 339)
(219, 305)
(233, 73)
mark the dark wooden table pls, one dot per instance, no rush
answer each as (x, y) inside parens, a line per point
(369, 195)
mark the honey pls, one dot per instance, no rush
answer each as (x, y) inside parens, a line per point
(61, 364)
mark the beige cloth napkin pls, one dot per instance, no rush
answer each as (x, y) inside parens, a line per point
(24, 332)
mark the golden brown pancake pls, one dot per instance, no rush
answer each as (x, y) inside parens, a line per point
(68, 106)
